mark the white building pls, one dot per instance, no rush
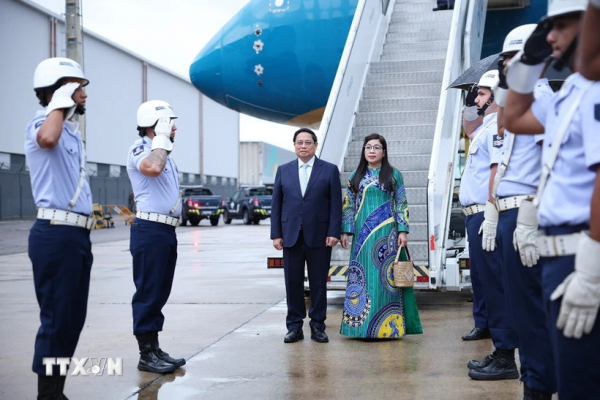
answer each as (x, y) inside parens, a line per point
(206, 146)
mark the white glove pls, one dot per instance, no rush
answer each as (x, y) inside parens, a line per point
(526, 233)
(470, 113)
(62, 99)
(162, 135)
(489, 226)
(580, 291)
(521, 77)
(500, 95)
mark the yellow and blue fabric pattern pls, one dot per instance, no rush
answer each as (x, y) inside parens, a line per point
(373, 307)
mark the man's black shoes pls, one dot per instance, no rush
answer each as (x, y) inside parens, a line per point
(149, 358)
(318, 335)
(293, 336)
(178, 362)
(477, 334)
(474, 364)
(503, 366)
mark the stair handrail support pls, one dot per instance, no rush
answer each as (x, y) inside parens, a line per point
(447, 136)
(363, 45)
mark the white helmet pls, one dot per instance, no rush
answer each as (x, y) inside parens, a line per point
(557, 8)
(489, 80)
(149, 112)
(51, 70)
(515, 40)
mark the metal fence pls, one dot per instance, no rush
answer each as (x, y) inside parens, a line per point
(16, 197)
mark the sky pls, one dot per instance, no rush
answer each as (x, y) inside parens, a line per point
(170, 34)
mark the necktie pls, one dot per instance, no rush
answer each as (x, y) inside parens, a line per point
(303, 178)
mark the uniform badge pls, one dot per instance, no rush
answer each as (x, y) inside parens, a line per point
(138, 150)
(597, 112)
(498, 141)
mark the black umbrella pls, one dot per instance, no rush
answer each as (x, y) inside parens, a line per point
(472, 75)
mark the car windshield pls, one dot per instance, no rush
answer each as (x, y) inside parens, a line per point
(260, 192)
(197, 192)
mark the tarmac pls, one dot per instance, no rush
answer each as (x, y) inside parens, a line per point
(226, 316)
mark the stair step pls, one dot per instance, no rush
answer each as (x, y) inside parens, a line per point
(410, 178)
(384, 67)
(400, 132)
(419, 249)
(412, 56)
(417, 231)
(416, 47)
(402, 104)
(423, 36)
(409, 163)
(404, 77)
(395, 118)
(429, 17)
(406, 7)
(396, 91)
(416, 195)
(412, 27)
(395, 147)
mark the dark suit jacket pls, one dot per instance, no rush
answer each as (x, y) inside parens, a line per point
(319, 212)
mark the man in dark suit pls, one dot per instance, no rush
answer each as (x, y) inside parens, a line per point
(306, 217)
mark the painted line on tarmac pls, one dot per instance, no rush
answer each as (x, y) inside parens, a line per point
(210, 345)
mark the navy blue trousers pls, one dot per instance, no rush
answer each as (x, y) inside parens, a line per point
(154, 249)
(62, 260)
(317, 261)
(526, 304)
(489, 269)
(577, 360)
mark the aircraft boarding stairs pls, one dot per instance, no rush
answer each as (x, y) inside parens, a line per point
(400, 101)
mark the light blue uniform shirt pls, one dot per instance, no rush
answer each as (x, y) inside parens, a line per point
(485, 150)
(158, 194)
(522, 176)
(55, 172)
(568, 193)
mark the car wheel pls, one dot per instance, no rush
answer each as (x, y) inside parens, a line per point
(183, 221)
(256, 221)
(226, 217)
(246, 217)
(195, 221)
(214, 221)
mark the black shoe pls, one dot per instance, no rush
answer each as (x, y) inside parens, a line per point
(531, 394)
(318, 335)
(51, 387)
(503, 366)
(178, 362)
(477, 334)
(474, 364)
(293, 336)
(149, 359)
(443, 8)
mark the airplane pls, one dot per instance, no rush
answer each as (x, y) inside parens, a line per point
(277, 59)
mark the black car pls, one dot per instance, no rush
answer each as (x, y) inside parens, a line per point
(199, 203)
(251, 204)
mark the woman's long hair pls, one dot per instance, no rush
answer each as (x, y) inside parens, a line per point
(386, 174)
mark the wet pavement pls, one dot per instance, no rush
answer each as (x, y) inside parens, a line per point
(226, 316)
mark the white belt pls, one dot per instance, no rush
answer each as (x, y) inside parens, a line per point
(508, 203)
(557, 246)
(474, 209)
(156, 217)
(61, 217)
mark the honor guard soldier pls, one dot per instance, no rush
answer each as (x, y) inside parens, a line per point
(516, 181)
(59, 242)
(483, 158)
(153, 242)
(568, 197)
